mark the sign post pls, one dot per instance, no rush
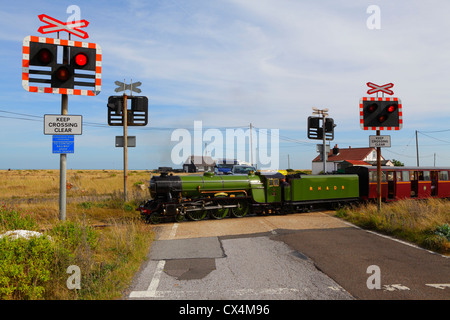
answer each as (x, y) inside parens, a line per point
(380, 114)
(63, 161)
(321, 132)
(125, 147)
(62, 67)
(122, 86)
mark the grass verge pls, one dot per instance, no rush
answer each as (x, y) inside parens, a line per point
(422, 222)
(107, 257)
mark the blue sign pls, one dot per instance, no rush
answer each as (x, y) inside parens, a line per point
(63, 144)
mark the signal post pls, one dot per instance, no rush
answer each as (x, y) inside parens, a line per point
(380, 114)
(119, 115)
(75, 71)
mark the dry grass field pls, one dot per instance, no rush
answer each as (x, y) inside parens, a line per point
(37, 191)
(102, 235)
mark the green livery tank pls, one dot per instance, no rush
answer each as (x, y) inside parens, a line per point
(324, 187)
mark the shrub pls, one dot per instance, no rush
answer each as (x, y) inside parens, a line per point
(443, 230)
(25, 267)
(72, 234)
(15, 219)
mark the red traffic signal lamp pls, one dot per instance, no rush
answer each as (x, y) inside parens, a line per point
(81, 60)
(380, 113)
(61, 66)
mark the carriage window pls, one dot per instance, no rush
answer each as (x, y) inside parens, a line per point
(398, 176)
(405, 176)
(443, 175)
(276, 182)
(413, 175)
(390, 176)
(373, 176)
(270, 182)
(424, 175)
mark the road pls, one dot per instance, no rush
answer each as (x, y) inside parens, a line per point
(311, 256)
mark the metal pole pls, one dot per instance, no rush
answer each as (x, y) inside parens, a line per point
(125, 147)
(63, 168)
(251, 144)
(417, 149)
(379, 175)
(324, 151)
(63, 156)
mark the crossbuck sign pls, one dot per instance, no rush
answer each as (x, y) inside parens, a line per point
(376, 88)
(54, 25)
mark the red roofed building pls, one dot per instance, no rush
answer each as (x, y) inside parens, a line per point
(342, 158)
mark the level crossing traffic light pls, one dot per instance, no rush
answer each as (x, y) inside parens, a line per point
(61, 66)
(381, 113)
(137, 115)
(315, 128)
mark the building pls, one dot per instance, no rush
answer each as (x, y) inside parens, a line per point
(339, 159)
(199, 164)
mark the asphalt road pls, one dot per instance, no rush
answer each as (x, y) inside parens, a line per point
(309, 256)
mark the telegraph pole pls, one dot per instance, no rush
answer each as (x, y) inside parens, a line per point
(417, 149)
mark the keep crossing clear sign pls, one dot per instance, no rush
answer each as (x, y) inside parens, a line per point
(62, 124)
(380, 141)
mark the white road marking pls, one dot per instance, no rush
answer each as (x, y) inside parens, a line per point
(226, 293)
(394, 287)
(151, 291)
(156, 276)
(173, 231)
(441, 286)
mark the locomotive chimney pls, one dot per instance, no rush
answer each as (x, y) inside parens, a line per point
(336, 150)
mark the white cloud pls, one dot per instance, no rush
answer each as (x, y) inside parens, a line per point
(229, 63)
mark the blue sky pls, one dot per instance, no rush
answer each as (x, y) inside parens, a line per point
(229, 63)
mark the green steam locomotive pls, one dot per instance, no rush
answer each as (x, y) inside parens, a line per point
(220, 196)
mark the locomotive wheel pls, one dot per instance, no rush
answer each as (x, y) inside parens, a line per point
(179, 217)
(241, 210)
(155, 218)
(197, 215)
(219, 213)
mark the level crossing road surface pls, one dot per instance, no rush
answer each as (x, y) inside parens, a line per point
(308, 256)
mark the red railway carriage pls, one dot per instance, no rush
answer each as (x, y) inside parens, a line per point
(403, 182)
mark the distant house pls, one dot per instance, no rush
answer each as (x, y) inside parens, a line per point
(339, 159)
(199, 164)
